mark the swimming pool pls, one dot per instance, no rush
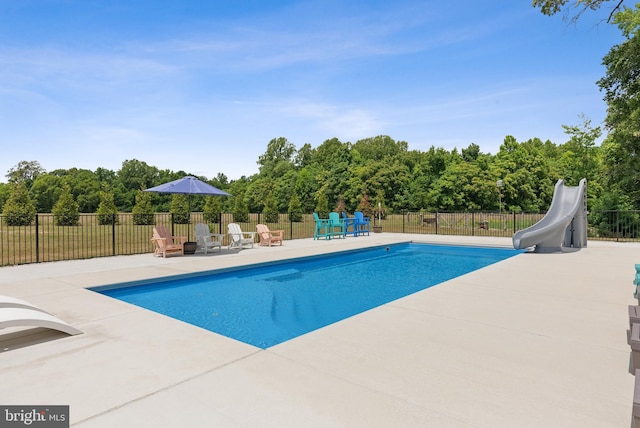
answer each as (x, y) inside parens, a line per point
(271, 303)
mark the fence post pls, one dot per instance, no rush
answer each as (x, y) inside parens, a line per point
(113, 234)
(290, 224)
(437, 221)
(473, 222)
(403, 222)
(514, 222)
(37, 240)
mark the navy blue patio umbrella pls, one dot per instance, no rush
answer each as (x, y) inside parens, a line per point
(188, 185)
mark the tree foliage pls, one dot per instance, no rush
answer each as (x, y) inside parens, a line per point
(212, 210)
(270, 211)
(621, 85)
(5, 192)
(344, 176)
(322, 205)
(25, 172)
(179, 208)
(45, 191)
(295, 208)
(278, 158)
(365, 206)
(107, 211)
(143, 213)
(619, 168)
(65, 210)
(576, 7)
(18, 210)
(338, 175)
(240, 209)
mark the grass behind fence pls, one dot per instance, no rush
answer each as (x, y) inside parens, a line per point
(44, 241)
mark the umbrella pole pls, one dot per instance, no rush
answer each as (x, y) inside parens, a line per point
(189, 217)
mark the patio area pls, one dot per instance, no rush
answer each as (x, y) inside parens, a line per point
(535, 340)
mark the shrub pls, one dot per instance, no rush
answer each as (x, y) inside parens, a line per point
(240, 210)
(19, 210)
(142, 211)
(322, 205)
(65, 210)
(295, 208)
(212, 210)
(107, 211)
(179, 207)
(270, 211)
(365, 206)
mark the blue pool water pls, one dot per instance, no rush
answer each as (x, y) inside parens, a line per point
(269, 304)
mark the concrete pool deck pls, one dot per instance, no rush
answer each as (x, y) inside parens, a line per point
(535, 340)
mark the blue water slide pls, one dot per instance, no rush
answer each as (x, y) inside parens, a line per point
(564, 226)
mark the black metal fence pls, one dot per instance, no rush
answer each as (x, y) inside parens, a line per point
(45, 241)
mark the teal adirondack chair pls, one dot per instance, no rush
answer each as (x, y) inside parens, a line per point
(349, 225)
(337, 226)
(362, 222)
(323, 227)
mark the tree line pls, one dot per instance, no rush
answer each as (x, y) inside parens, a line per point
(337, 175)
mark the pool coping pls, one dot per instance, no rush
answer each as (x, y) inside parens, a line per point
(519, 343)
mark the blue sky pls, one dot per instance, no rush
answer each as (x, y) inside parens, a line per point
(203, 86)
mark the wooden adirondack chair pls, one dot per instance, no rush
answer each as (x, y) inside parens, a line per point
(239, 238)
(165, 244)
(268, 237)
(207, 240)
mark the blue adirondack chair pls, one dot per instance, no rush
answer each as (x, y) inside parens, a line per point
(349, 225)
(337, 226)
(323, 227)
(362, 222)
